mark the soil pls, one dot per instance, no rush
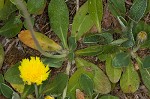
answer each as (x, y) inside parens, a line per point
(15, 51)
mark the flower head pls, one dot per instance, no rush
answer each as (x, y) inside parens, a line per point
(49, 97)
(142, 36)
(33, 71)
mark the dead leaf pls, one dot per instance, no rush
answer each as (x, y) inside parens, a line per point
(79, 94)
(46, 43)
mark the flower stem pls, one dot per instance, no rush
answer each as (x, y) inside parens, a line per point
(67, 72)
(36, 91)
(26, 14)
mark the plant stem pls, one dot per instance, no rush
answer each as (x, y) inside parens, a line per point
(68, 68)
(96, 96)
(77, 5)
(67, 72)
(23, 8)
(36, 91)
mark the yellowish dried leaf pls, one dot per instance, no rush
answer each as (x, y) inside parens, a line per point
(46, 43)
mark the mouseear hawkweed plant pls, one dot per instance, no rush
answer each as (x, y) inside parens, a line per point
(31, 77)
(31, 83)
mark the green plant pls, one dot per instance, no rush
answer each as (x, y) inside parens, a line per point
(88, 78)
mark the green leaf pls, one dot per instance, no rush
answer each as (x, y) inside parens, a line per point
(117, 7)
(138, 9)
(98, 38)
(13, 75)
(72, 43)
(108, 97)
(146, 62)
(119, 41)
(56, 86)
(90, 51)
(1, 55)
(113, 73)
(7, 9)
(128, 33)
(1, 4)
(53, 62)
(101, 83)
(6, 90)
(59, 19)
(82, 22)
(74, 80)
(121, 60)
(72, 46)
(110, 49)
(86, 84)
(36, 6)
(95, 8)
(148, 7)
(43, 86)
(145, 73)
(129, 81)
(83, 63)
(29, 89)
(102, 57)
(11, 28)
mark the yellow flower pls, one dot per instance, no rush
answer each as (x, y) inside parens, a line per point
(49, 97)
(33, 71)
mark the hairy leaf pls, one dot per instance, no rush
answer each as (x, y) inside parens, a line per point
(13, 75)
(138, 9)
(117, 7)
(98, 38)
(101, 83)
(59, 19)
(57, 85)
(121, 60)
(53, 62)
(82, 22)
(74, 80)
(86, 84)
(146, 62)
(36, 6)
(7, 9)
(145, 73)
(11, 28)
(6, 90)
(95, 8)
(90, 51)
(113, 73)
(129, 81)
